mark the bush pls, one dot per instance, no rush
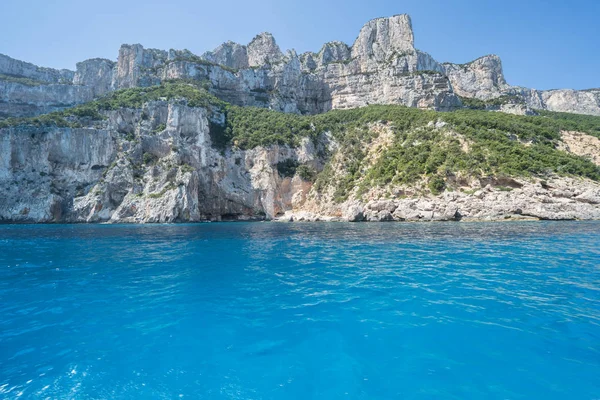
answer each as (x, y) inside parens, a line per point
(306, 173)
(436, 184)
(21, 80)
(159, 128)
(287, 168)
(149, 158)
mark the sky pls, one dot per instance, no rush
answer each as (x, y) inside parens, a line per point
(543, 44)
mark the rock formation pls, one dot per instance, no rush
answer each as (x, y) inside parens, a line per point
(157, 162)
(154, 164)
(381, 67)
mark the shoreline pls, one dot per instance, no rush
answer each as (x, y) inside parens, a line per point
(332, 220)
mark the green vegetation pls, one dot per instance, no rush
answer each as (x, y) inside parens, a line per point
(521, 145)
(164, 190)
(21, 80)
(498, 144)
(249, 127)
(477, 104)
(290, 167)
(187, 168)
(473, 142)
(168, 90)
(149, 158)
(436, 184)
(194, 95)
(306, 173)
(159, 128)
(574, 122)
(426, 72)
(287, 168)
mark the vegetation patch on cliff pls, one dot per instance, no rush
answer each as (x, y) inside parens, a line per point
(21, 80)
(425, 146)
(192, 93)
(477, 104)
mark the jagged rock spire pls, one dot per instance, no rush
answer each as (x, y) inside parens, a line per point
(263, 50)
(381, 38)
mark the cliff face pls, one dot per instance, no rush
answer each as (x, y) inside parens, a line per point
(168, 158)
(153, 164)
(484, 79)
(158, 163)
(381, 67)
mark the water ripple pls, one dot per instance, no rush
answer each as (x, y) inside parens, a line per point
(269, 311)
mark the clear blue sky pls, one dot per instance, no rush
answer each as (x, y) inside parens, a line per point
(543, 44)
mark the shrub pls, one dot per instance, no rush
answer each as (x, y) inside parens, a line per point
(21, 80)
(305, 172)
(287, 168)
(436, 184)
(159, 128)
(149, 158)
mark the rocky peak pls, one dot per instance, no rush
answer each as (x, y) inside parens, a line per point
(482, 78)
(184, 54)
(95, 73)
(334, 52)
(229, 54)
(130, 57)
(382, 38)
(308, 61)
(263, 50)
(133, 61)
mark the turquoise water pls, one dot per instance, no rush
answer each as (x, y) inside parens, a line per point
(301, 311)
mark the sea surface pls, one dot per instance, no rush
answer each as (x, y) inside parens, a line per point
(300, 311)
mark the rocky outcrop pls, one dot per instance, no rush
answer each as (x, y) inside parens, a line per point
(21, 100)
(229, 54)
(42, 170)
(572, 101)
(11, 67)
(482, 79)
(556, 199)
(263, 50)
(158, 163)
(581, 144)
(381, 67)
(27, 90)
(382, 40)
(332, 52)
(154, 164)
(97, 74)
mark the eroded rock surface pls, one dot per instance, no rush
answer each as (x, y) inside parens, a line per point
(381, 67)
(158, 163)
(132, 170)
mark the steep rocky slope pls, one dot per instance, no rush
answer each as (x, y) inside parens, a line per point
(483, 79)
(381, 67)
(376, 131)
(175, 152)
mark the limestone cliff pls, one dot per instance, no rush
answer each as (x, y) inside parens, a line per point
(169, 161)
(484, 79)
(166, 136)
(153, 164)
(381, 67)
